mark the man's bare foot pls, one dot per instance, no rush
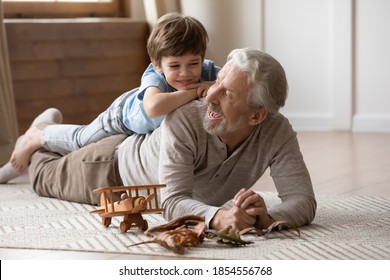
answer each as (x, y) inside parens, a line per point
(25, 147)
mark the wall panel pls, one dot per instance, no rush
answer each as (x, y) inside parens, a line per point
(77, 65)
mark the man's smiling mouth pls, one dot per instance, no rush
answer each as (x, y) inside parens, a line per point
(212, 115)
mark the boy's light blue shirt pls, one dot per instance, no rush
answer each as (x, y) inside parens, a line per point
(134, 115)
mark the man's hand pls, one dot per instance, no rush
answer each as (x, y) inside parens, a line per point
(253, 204)
(235, 217)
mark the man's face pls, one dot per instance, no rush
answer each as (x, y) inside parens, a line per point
(228, 111)
(181, 71)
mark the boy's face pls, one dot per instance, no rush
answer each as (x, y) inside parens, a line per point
(182, 70)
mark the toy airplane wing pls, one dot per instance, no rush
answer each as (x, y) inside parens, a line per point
(132, 200)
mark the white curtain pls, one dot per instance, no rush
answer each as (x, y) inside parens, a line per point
(8, 122)
(156, 8)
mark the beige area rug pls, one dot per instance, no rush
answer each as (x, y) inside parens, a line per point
(344, 228)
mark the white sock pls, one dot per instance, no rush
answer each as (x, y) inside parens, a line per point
(7, 173)
(51, 115)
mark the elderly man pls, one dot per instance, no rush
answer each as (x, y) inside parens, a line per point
(206, 152)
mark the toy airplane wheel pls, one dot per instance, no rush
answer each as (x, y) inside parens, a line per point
(123, 226)
(145, 225)
(106, 221)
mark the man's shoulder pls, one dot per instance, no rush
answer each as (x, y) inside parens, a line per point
(194, 106)
(278, 124)
(278, 118)
(192, 112)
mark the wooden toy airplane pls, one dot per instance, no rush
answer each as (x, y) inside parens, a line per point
(130, 205)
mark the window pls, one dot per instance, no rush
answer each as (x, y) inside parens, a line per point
(64, 8)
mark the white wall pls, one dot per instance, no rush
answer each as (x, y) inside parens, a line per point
(230, 24)
(372, 82)
(298, 33)
(335, 53)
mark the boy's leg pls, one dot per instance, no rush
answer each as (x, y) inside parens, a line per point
(7, 173)
(26, 145)
(21, 155)
(73, 177)
(64, 139)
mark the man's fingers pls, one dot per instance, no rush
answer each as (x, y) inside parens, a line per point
(254, 211)
(238, 198)
(243, 219)
(251, 200)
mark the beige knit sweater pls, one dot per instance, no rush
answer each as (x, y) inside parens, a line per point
(199, 175)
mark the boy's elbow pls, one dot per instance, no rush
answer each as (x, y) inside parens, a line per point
(152, 111)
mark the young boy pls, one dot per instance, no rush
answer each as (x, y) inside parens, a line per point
(178, 73)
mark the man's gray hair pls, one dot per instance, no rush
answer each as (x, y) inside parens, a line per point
(266, 78)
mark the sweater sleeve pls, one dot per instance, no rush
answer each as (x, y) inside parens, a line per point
(179, 138)
(291, 179)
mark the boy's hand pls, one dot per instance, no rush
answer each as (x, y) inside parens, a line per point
(201, 88)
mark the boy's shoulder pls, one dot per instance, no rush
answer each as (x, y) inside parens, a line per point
(207, 63)
(209, 70)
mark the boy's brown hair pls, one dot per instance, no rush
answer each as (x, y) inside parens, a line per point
(175, 35)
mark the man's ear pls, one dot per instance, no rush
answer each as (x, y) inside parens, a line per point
(258, 117)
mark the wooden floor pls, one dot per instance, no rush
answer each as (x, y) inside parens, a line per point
(345, 163)
(339, 163)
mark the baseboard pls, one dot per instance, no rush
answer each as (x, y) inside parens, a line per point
(371, 123)
(324, 122)
(310, 122)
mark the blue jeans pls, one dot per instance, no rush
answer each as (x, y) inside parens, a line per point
(65, 138)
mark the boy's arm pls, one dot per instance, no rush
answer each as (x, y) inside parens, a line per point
(157, 103)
